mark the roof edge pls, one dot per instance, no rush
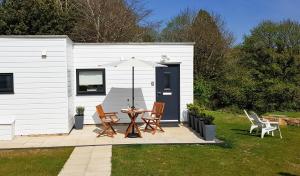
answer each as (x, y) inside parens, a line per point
(105, 43)
(137, 43)
(34, 36)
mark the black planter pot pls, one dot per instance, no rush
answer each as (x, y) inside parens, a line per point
(197, 120)
(194, 122)
(209, 132)
(189, 119)
(201, 126)
(79, 121)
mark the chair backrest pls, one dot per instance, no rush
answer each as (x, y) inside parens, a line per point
(158, 109)
(250, 118)
(100, 112)
(256, 119)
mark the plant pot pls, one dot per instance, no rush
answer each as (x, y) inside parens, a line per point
(79, 121)
(209, 132)
(201, 126)
(197, 124)
(194, 122)
(189, 119)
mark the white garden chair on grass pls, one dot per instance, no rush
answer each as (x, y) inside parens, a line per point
(253, 124)
(264, 125)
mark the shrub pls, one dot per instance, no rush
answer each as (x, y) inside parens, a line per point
(80, 110)
(194, 109)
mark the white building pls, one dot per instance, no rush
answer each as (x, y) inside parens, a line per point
(44, 78)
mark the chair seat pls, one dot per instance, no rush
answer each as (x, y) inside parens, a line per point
(270, 128)
(107, 120)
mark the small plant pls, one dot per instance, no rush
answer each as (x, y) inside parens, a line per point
(194, 109)
(208, 119)
(80, 110)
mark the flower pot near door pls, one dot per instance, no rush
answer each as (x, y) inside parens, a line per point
(209, 129)
(201, 126)
(209, 132)
(79, 117)
(78, 121)
(189, 119)
(193, 111)
(192, 121)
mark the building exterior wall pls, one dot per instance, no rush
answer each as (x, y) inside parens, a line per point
(118, 80)
(39, 103)
(44, 99)
(70, 80)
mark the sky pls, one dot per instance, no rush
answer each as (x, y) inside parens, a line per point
(240, 16)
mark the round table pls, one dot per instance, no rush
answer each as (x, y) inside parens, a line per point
(132, 114)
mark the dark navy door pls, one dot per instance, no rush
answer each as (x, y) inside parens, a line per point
(168, 90)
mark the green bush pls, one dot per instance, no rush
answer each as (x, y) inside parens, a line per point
(80, 110)
(197, 111)
(194, 109)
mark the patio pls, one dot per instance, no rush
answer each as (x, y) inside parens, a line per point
(174, 134)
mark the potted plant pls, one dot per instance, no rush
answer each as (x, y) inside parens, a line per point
(201, 123)
(209, 129)
(193, 111)
(79, 117)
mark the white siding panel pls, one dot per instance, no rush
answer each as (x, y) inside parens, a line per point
(39, 103)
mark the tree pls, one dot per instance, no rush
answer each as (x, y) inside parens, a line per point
(272, 54)
(35, 17)
(211, 39)
(212, 42)
(110, 21)
(178, 28)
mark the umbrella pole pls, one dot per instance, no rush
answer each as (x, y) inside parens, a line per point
(132, 88)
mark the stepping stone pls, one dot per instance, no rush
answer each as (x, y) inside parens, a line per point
(88, 161)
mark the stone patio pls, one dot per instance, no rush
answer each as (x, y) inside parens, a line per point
(176, 134)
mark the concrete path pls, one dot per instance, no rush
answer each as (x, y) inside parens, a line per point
(88, 161)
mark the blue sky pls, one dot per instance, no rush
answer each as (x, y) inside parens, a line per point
(240, 15)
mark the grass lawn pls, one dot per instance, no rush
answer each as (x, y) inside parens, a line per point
(33, 161)
(242, 154)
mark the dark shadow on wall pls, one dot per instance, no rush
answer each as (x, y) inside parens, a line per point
(120, 98)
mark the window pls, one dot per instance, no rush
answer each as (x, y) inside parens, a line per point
(90, 81)
(6, 83)
(167, 80)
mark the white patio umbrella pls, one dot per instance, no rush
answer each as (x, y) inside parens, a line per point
(133, 62)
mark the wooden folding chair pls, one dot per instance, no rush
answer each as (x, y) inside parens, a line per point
(153, 121)
(107, 119)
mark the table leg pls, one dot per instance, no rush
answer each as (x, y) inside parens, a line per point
(128, 130)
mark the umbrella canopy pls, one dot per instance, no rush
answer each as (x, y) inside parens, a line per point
(133, 62)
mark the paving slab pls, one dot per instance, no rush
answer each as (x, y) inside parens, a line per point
(88, 161)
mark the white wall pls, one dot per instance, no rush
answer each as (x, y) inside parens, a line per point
(70, 79)
(40, 100)
(95, 55)
(44, 98)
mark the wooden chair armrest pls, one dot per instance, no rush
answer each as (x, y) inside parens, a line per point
(111, 113)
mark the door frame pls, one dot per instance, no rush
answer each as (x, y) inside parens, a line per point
(179, 91)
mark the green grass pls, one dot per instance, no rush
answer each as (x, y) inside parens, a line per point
(241, 154)
(42, 162)
(289, 114)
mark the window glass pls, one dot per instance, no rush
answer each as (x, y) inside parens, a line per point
(167, 80)
(6, 83)
(90, 82)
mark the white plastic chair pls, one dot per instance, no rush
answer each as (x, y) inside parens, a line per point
(253, 125)
(265, 126)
